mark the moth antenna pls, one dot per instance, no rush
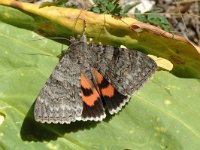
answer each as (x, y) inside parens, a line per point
(84, 27)
(78, 17)
(83, 36)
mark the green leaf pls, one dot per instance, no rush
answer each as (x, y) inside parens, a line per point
(139, 16)
(126, 9)
(96, 9)
(164, 114)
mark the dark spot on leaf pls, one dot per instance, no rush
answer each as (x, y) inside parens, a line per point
(46, 27)
(136, 28)
(176, 60)
(2, 118)
(117, 17)
(16, 4)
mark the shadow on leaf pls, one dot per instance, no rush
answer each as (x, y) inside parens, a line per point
(35, 131)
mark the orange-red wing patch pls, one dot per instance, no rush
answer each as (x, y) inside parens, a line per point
(85, 83)
(108, 91)
(90, 100)
(98, 76)
(88, 92)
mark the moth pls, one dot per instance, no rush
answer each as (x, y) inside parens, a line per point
(89, 79)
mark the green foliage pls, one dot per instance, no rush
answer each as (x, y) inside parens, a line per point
(125, 10)
(153, 19)
(110, 7)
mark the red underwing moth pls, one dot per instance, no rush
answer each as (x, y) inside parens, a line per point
(90, 78)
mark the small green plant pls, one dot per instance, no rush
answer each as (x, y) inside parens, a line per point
(154, 19)
(110, 7)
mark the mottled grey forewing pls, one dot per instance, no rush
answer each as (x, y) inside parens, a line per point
(125, 69)
(59, 100)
